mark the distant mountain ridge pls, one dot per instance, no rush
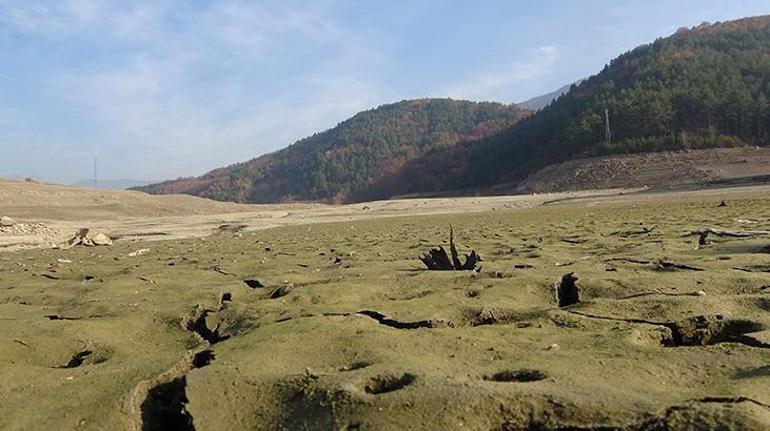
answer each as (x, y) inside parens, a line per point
(539, 102)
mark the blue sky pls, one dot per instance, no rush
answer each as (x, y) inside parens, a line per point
(165, 88)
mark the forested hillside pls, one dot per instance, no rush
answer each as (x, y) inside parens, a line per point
(351, 160)
(703, 87)
(699, 88)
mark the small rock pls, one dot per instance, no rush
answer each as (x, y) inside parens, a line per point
(6, 221)
(139, 252)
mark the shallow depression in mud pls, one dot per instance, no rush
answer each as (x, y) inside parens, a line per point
(510, 376)
(388, 383)
(707, 330)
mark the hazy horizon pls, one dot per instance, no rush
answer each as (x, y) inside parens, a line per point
(162, 89)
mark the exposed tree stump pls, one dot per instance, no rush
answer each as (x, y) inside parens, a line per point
(702, 238)
(437, 259)
(704, 232)
(567, 290)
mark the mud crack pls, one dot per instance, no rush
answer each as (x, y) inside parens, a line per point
(384, 320)
(161, 403)
(697, 330)
(199, 325)
(165, 407)
(78, 359)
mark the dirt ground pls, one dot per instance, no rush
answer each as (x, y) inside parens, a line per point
(649, 170)
(48, 215)
(330, 320)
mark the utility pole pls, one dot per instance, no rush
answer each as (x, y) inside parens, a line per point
(607, 132)
(96, 174)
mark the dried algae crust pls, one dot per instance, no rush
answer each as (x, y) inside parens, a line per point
(363, 337)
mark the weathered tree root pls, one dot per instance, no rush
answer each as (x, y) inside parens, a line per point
(753, 268)
(658, 265)
(436, 259)
(730, 400)
(664, 265)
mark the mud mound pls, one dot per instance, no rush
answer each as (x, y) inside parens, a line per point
(711, 413)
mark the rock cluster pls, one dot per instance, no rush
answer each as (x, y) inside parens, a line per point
(89, 238)
(8, 228)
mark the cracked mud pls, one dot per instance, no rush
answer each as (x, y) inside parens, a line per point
(672, 337)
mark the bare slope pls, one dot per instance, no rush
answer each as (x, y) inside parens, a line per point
(56, 202)
(649, 170)
(47, 215)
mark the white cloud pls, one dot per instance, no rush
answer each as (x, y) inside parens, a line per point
(514, 80)
(180, 101)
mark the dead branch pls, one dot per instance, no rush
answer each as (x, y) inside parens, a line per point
(704, 232)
